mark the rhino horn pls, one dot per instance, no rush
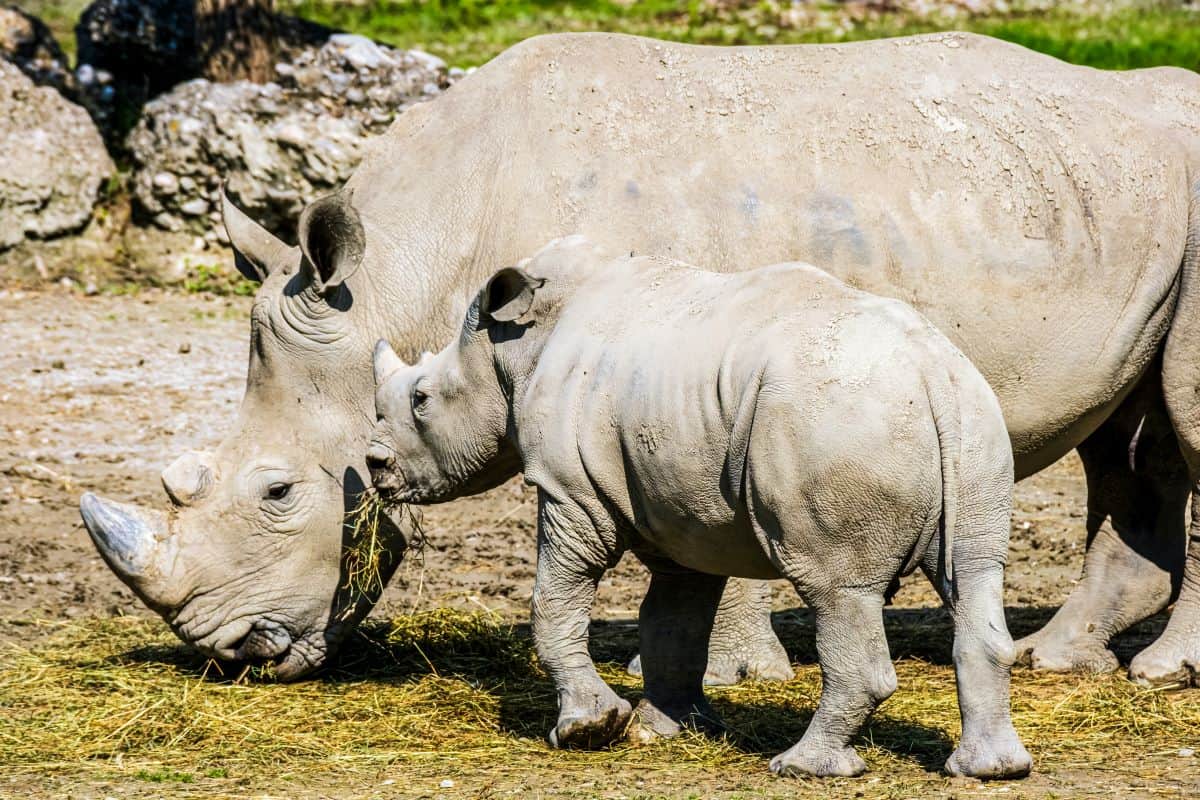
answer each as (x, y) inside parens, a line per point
(188, 479)
(126, 536)
(386, 361)
(257, 251)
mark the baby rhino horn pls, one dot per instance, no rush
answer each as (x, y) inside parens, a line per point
(386, 361)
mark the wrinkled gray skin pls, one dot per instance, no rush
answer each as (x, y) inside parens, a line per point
(1036, 212)
(772, 424)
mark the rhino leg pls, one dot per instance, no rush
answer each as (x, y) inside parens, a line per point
(1137, 493)
(1175, 657)
(571, 560)
(983, 658)
(743, 644)
(675, 623)
(856, 676)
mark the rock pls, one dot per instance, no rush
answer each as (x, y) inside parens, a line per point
(275, 146)
(142, 47)
(137, 49)
(31, 47)
(54, 161)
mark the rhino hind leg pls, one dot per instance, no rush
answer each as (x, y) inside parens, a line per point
(743, 645)
(856, 676)
(674, 625)
(983, 658)
(1137, 485)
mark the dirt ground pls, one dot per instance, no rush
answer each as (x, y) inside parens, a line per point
(100, 393)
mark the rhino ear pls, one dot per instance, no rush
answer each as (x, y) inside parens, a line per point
(332, 240)
(256, 251)
(509, 294)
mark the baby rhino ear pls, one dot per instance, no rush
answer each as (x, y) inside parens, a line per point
(509, 294)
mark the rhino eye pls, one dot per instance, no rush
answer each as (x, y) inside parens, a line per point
(419, 399)
(278, 491)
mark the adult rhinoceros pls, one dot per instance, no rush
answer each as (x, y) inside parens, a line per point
(1043, 215)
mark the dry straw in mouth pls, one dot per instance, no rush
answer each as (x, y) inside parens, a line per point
(366, 550)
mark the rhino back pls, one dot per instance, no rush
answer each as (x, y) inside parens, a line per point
(647, 390)
(1030, 208)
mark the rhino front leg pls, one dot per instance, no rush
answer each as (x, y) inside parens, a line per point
(1137, 486)
(674, 625)
(743, 644)
(571, 559)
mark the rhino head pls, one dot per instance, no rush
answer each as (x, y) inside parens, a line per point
(443, 428)
(249, 562)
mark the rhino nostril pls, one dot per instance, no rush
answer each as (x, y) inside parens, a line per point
(379, 457)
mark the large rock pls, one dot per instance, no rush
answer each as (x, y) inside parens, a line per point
(279, 145)
(53, 160)
(130, 51)
(28, 43)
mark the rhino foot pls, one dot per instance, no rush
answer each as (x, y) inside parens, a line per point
(1167, 663)
(996, 756)
(824, 762)
(767, 661)
(587, 728)
(1052, 651)
(656, 720)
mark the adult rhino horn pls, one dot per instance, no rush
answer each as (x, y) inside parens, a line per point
(257, 251)
(332, 240)
(130, 540)
(386, 362)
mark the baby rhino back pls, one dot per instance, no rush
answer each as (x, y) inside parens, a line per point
(870, 430)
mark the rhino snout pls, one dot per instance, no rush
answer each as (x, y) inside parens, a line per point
(381, 462)
(265, 642)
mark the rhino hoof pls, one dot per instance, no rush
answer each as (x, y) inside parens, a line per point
(990, 758)
(1164, 665)
(1055, 655)
(592, 730)
(802, 760)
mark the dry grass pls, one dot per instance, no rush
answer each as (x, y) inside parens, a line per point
(450, 696)
(365, 551)
(368, 553)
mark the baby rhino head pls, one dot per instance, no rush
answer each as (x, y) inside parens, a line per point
(442, 424)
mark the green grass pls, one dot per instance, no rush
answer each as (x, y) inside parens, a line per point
(218, 279)
(469, 32)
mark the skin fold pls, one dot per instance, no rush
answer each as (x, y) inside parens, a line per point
(1038, 213)
(771, 424)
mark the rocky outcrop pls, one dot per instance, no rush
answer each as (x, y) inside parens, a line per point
(276, 146)
(54, 161)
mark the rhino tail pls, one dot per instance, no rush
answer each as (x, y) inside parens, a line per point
(947, 420)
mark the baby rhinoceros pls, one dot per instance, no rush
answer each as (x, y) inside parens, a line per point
(764, 424)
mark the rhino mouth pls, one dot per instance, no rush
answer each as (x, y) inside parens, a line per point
(264, 643)
(270, 644)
